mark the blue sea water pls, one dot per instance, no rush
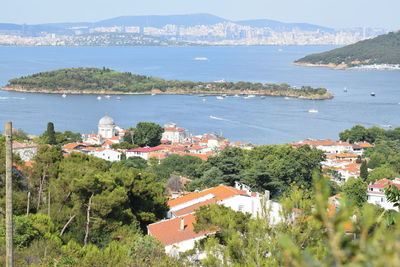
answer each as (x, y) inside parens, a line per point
(260, 121)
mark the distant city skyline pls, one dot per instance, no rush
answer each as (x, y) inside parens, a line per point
(335, 14)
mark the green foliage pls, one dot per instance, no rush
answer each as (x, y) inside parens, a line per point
(94, 79)
(364, 171)
(135, 162)
(51, 134)
(270, 167)
(381, 172)
(124, 145)
(355, 190)
(183, 165)
(359, 133)
(147, 134)
(384, 49)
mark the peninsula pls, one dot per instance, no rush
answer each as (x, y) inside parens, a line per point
(106, 81)
(382, 52)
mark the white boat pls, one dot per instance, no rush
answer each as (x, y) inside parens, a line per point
(345, 89)
(107, 96)
(203, 99)
(287, 98)
(313, 110)
(236, 95)
(153, 94)
(200, 58)
(372, 94)
(99, 98)
(64, 95)
(249, 96)
(118, 98)
(220, 97)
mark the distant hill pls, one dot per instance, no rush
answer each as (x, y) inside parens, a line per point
(384, 49)
(161, 21)
(282, 26)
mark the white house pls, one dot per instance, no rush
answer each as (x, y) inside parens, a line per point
(182, 209)
(106, 154)
(27, 151)
(142, 152)
(376, 194)
(327, 145)
(174, 134)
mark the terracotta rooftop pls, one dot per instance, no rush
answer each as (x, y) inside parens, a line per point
(168, 232)
(220, 192)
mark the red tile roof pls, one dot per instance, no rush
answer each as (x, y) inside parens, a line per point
(144, 149)
(168, 232)
(220, 192)
(194, 207)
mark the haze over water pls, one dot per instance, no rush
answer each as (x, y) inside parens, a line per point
(260, 121)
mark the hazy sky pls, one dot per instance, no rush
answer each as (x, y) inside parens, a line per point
(331, 13)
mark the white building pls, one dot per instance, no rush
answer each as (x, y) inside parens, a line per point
(27, 151)
(174, 133)
(142, 152)
(176, 232)
(376, 193)
(327, 145)
(106, 127)
(106, 154)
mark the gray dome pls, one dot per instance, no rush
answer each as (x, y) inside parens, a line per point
(106, 120)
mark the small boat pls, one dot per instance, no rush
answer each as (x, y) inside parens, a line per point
(372, 94)
(236, 95)
(107, 96)
(99, 98)
(200, 58)
(64, 95)
(153, 94)
(345, 90)
(263, 97)
(249, 96)
(203, 99)
(220, 97)
(313, 110)
(118, 98)
(287, 98)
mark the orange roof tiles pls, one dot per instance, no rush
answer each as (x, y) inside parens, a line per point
(168, 232)
(194, 207)
(220, 192)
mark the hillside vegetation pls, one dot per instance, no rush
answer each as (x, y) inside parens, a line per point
(384, 49)
(94, 80)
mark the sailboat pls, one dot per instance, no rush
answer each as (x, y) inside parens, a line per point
(313, 109)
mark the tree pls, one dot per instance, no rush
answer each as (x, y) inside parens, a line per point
(147, 134)
(356, 191)
(381, 172)
(51, 134)
(364, 171)
(183, 165)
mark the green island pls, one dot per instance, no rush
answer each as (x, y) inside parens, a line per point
(106, 81)
(381, 52)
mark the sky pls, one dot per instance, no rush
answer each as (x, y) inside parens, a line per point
(329, 13)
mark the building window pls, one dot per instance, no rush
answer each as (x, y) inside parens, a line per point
(381, 199)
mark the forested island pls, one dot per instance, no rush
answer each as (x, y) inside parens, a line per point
(107, 81)
(381, 52)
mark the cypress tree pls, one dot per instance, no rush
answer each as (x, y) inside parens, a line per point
(364, 170)
(51, 134)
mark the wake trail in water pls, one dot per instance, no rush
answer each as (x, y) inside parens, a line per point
(222, 119)
(14, 97)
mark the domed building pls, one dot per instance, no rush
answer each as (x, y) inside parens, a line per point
(106, 127)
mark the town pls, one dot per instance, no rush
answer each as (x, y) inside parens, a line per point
(343, 161)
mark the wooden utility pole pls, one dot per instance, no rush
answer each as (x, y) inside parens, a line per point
(9, 203)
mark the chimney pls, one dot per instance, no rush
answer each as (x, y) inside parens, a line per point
(182, 224)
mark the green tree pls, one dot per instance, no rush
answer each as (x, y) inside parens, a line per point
(381, 172)
(364, 171)
(355, 190)
(147, 134)
(51, 134)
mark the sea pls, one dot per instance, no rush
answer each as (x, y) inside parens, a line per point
(257, 120)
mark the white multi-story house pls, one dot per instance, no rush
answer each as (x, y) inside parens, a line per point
(142, 152)
(376, 193)
(174, 133)
(327, 145)
(106, 154)
(176, 232)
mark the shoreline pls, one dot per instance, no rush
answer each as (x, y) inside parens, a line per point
(206, 93)
(346, 67)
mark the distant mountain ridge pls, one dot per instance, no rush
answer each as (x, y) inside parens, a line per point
(159, 21)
